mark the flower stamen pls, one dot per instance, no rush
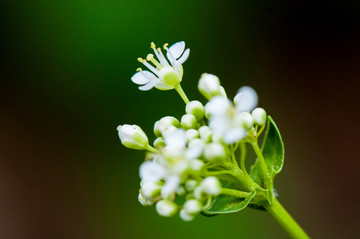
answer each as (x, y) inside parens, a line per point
(150, 57)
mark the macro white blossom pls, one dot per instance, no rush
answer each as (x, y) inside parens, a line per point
(192, 206)
(133, 137)
(195, 108)
(165, 73)
(211, 186)
(186, 216)
(229, 122)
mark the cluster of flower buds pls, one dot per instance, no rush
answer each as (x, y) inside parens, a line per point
(179, 173)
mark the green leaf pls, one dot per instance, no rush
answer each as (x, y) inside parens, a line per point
(273, 152)
(228, 204)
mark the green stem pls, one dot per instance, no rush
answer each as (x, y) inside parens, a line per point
(181, 92)
(262, 162)
(235, 193)
(243, 157)
(152, 149)
(232, 149)
(286, 221)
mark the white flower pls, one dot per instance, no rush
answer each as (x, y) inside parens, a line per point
(211, 186)
(195, 108)
(228, 122)
(186, 216)
(166, 208)
(133, 137)
(215, 151)
(246, 99)
(175, 143)
(167, 73)
(259, 116)
(150, 190)
(192, 206)
(152, 171)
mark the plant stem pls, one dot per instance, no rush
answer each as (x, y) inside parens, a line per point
(286, 221)
(181, 92)
(262, 162)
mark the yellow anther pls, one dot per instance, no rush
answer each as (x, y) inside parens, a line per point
(140, 59)
(158, 49)
(152, 45)
(118, 128)
(166, 46)
(149, 57)
(138, 69)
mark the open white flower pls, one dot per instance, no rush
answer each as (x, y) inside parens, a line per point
(228, 122)
(165, 74)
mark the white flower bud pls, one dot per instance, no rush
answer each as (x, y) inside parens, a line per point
(186, 216)
(167, 122)
(195, 149)
(145, 202)
(192, 206)
(166, 208)
(259, 116)
(209, 86)
(191, 134)
(156, 129)
(180, 191)
(133, 137)
(199, 193)
(195, 108)
(190, 185)
(215, 151)
(205, 133)
(150, 190)
(188, 121)
(211, 186)
(247, 119)
(223, 92)
(159, 143)
(196, 164)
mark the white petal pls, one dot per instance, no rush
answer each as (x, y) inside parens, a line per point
(176, 50)
(176, 139)
(139, 78)
(149, 85)
(151, 171)
(184, 57)
(195, 149)
(246, 99)
(170, 186)
(234, 135)
(162, 86)
(217, 105)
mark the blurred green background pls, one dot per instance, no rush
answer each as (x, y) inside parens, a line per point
(65, 86)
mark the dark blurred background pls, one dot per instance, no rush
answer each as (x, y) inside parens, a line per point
(65, 86)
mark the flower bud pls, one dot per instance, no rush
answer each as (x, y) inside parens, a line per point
(196, 164)
(133, 137)
(211, 186)
(156, 129)
(186, 216)
(191, 134)
(144, 201)
(209, 86)
(192, 206)
(166, 122)
(195, 149)
(166, 208)
(195, 108)
(159, 143)
(205, 133)
(188, 121)
(190, 185)
(259, 116)
(247, 120)
(150, 190)
(215, 151)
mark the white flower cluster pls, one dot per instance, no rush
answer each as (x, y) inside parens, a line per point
(178, 172)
